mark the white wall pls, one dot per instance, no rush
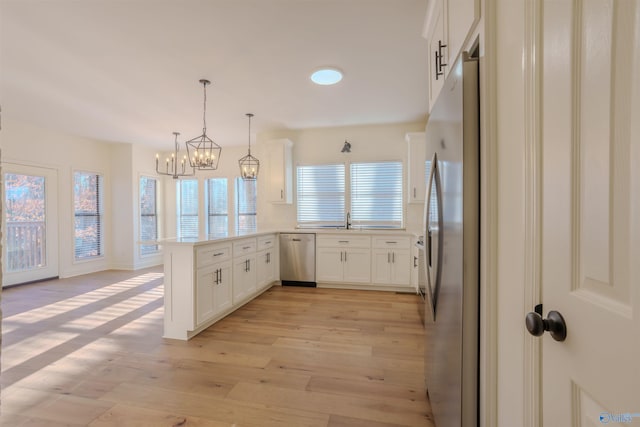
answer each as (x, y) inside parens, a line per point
(323, 145)
(120, 164)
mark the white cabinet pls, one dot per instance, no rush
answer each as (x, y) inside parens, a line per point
(213, 282)
(343, 258)
(416, 179)
(391, 260)
(449, 23)
(266, 261)
(462, 16)
(437, 51)
(244, 269)
(213, 291)
(280, 167)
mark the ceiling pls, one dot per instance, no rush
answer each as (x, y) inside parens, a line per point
(129, 70)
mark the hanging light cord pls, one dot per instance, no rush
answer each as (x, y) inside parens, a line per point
(249, 132)
(204, 110)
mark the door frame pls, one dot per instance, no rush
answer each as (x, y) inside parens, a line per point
(511, 227)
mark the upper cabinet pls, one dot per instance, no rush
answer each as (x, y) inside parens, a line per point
(438, 64)
(280, 177)
(416, 179)
(448, 25)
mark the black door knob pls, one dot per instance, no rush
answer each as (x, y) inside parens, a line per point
(554, 323)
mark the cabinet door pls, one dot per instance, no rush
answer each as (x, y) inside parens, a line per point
(222, 294)
(417, 181)
(381, 268)
(436, 37)
(329, 263)
(280, 183)
(244, 278)
(205, 286)
(462, 15)
(357, 265)
(401, 267)
(265, 268)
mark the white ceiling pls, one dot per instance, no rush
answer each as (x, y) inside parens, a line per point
(128, 70)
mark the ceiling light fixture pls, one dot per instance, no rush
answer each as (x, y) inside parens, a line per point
(204, 154)
(346, 148)
(249, 165)
(326, 76)
(174, 171)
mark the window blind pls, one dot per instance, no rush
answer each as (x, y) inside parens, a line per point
(217, 207)
(321, 195)
(187, 190)
(246, 196)
(376, 194)
(88, 215)
(148, 214)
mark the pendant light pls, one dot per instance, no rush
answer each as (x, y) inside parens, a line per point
(249, 165)
(175, 171)
(204, 154)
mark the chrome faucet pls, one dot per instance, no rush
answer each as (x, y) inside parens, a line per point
(348, 220)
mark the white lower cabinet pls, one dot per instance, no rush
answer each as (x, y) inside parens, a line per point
(392, 260)
(391, 267)
(342, 258)
(205, 282)
(244, 277)
(266, 261)
(213, 291)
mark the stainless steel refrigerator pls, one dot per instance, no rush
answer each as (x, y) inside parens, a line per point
(451, 255)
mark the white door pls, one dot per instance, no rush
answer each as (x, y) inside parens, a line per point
(591, 211)
(30, 224)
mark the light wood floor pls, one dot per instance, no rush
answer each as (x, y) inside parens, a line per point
(88, 351)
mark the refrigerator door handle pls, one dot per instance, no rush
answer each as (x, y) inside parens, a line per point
(434, 182)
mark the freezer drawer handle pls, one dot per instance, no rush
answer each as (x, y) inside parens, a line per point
(296, 240)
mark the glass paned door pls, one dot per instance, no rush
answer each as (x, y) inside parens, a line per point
(29, 230)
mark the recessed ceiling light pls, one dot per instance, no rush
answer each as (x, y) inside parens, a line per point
(326, 76)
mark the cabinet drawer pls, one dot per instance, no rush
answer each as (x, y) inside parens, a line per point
(266, 242)
(391, 242)
(207, 255)
(346, 240)
(244, 246)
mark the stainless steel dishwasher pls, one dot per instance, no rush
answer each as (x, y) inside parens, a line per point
(298, 259)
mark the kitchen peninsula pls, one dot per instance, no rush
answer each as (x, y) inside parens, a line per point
(207, 279)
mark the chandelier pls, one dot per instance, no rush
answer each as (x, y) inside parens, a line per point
(204, 154)
(174, 170)
(249, 165)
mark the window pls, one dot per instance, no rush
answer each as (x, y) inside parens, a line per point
(88, 215)
(376, 194)
(148, 214)
(321, 195)
(246, 191)
(216, 207)
(187, 191)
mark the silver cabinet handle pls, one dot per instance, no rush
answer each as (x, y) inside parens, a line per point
(388, 257)
(343, 241)
(218, 254)
(341, 256)
(414, 192)
(244, 248)
(282, 194)
(393, 257)
(345, 256)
